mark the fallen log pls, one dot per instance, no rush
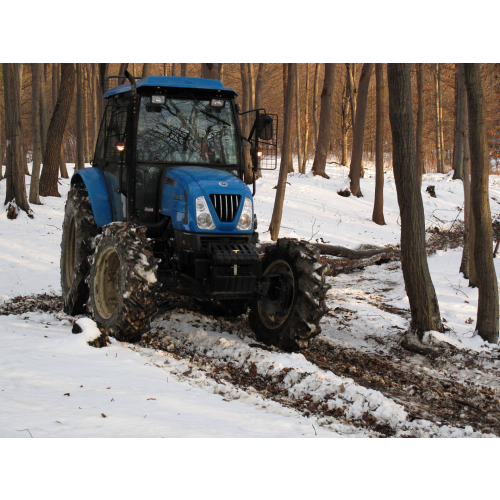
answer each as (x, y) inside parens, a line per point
(343, 265)
(344, 260)
(339, 251)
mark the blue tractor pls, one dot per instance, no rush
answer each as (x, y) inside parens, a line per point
(165, 207)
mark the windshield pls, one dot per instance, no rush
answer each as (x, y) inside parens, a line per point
(186, 131)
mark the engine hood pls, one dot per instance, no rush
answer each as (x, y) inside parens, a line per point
(210, 180)
(184, 184)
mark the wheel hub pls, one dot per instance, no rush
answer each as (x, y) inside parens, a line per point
(106, 283)
(275, 307)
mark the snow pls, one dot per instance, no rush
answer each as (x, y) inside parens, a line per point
(145, 393)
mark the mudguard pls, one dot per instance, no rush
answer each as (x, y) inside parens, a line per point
(94, 181)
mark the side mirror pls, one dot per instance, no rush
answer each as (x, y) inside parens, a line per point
(265, 127)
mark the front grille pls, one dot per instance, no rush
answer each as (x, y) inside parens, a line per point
(226, 205)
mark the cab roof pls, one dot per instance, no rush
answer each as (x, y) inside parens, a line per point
(171, 82)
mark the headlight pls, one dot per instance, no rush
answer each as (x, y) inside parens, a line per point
(203, 217)
(245, 222)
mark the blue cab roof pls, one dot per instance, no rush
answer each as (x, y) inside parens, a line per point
(171, 82)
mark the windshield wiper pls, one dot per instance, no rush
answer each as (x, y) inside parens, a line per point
(207, 113)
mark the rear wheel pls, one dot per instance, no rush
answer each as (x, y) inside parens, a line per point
(77, 245)
(123, 282)
(289, 313)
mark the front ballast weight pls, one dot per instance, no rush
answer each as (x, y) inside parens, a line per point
(123, 282)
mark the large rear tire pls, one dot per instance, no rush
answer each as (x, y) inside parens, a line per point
(288, 315)
(123, 282)
(77, 246)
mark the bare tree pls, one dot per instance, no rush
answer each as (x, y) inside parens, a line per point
(359, 129)
(465, 264)
(44, 107)
(146, 70)
(297, 116)
(325, 116)
(345, 122)
(378, 206)
(183, 69)
(16, 187)
(425, 314)
(1, 149)
(259, 85)
(174, 69)
(306, 123)
(211, 70)
(247, 105)
(275, 225)
(487, 311)
(79, 118)
(458, 153)
(55, 92)
(48, 179)
(420, 122)
(439, 142)
(36, 133)
(315, 104)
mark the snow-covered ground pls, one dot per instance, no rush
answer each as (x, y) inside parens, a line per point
(145, 392)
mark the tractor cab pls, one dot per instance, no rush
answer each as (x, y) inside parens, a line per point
(159, 125)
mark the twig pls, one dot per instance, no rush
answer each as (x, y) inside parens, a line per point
(456, 289)
(25, 430)
(315, 433)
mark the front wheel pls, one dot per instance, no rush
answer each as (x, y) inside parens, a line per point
(123, 282)
(289, 313)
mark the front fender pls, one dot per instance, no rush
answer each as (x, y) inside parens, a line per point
(94, 181)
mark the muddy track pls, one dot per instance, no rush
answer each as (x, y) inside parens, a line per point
(430, 393)
(442, 389)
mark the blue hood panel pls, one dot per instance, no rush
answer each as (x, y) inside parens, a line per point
(184, 184)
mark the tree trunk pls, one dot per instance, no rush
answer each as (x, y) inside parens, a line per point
(325, 117)
(424, 307)
(458, 153)
(378, 207)
(359, 129)
(259, 88)
(245, 120)
(441, 126)
(274, 227)
(146, 70)
(297, 119)
(315, 105)
(79, 164)
(48, 179)
(36, 75)
(439, 151)
(101, 74)
(211, 70)
(16, 187)
(345, 123)
(465, 263)
(306, 123)
(289, 160)
(487, 311)
(93, 134)
(420, 122)
(44, 109)
(353, 91)
(174, 69)
(183, 69)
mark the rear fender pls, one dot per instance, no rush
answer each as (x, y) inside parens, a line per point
(94, 181)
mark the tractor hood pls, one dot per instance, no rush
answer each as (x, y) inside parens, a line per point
(182, 185)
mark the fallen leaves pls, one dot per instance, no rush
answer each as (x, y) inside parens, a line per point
(66, 394)
(104, 415)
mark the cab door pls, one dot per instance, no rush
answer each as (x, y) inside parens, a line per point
(111, 153)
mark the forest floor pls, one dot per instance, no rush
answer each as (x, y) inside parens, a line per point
(199, 375)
